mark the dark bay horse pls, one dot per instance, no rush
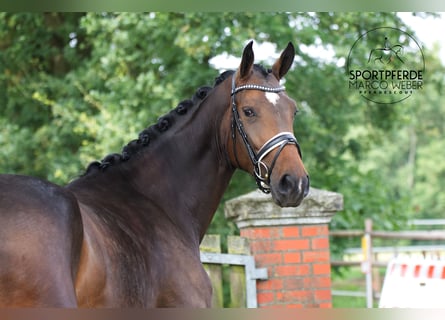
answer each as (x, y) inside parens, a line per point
(127, 232)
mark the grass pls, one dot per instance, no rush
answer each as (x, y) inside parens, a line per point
(350, 279)
(348, 302)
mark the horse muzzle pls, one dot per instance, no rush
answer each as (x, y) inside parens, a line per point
(290, 190)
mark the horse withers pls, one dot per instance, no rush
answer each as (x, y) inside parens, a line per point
(127, 232)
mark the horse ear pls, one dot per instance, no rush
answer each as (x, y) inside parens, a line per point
(283, 64)
(246, 61)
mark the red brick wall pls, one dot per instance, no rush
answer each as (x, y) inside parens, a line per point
(297, 259)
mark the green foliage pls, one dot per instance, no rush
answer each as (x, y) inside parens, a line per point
(77, 86)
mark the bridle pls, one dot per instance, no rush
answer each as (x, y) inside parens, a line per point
(261, 171)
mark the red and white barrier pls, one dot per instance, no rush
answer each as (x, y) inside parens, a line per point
(414, 283)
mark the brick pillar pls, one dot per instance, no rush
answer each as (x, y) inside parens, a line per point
(292, 243)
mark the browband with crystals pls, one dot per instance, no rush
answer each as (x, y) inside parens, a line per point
(257, 87)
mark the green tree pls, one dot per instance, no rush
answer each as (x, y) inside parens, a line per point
(78, 86)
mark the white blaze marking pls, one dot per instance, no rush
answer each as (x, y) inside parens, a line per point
(272, 97)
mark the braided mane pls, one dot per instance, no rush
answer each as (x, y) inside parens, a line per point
(149, 134)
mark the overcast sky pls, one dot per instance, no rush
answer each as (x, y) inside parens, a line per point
(428, 31)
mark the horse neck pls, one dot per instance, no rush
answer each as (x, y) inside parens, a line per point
(185, 171)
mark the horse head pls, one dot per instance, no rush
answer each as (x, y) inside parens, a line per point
(262, 120)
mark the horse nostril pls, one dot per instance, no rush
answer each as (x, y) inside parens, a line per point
(287, 184)
(290, 190)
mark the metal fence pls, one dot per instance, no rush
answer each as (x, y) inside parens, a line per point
(370, 258)
(240, 270)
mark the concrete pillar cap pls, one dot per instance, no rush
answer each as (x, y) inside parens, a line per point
(257, 209)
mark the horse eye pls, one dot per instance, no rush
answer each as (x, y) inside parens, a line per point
(248, 112)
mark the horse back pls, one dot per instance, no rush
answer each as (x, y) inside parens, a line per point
(40, 241)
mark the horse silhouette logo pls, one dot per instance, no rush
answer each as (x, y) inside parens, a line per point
(385, 65)
(387, 54)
